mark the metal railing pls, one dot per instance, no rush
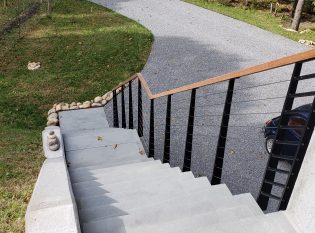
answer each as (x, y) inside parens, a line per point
(138, 83)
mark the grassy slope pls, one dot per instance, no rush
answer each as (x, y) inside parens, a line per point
(261, 19)
(84, 50)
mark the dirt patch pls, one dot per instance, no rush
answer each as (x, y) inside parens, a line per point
(32, 10)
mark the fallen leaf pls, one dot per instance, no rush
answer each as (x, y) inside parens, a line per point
(99, 138)
(115, 146)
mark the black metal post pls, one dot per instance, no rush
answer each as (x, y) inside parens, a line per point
(140, 113)
(190, 132)
(123, 110)
(151, 137)
(272, 165)
(167, 139)
(297, 163)
(115, 110)
(219, 157)
(130, 107)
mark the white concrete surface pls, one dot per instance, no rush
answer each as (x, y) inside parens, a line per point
(52, 207)
(301, 209)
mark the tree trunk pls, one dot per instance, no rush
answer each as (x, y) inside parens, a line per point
(297, 15)
(5, 4)
(293, 8)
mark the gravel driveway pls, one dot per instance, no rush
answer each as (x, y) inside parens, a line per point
(192, 44)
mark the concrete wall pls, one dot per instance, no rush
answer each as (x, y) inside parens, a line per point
(52, 208)
(301, 209)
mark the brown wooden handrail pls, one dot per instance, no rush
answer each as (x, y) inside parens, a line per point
(304, 56)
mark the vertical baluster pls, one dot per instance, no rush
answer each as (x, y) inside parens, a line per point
(297, 164)
(266, 188)
(123, 110)
(140, 113)
(130, 106)
(167, 142)
(190, 132)
(151, 139)
(115, 110)
(219, 157)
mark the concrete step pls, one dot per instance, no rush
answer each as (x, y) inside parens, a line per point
(212, 217)
(118, 154)
(80, 174)
(104, 165)
(127, 171)
(128, 208)
(173, 178)
(80, 120)
(100, 138)
(167, 212)
(146, 176)
(137, 197)
(257, 224)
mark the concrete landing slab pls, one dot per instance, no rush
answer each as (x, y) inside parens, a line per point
(82, 119)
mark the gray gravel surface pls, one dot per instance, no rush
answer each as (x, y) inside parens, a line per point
(192, 44)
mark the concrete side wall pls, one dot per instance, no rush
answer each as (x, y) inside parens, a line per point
(301, 209)
(52, 207)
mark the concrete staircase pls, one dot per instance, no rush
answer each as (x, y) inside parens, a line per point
(118, 189)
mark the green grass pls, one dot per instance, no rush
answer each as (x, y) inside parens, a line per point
(84, 50)
(259, 18)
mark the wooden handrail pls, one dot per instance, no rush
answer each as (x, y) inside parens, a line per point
(299, 57)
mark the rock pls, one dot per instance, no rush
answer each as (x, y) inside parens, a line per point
(73, 107)
(53, 110)
(73, 104)
(104, 102)
(52, 122)
(65, 107)
(79, 103)
(85, 104)
(33, 65)
(94, 105)
(52, 116)
(58, 107)
(302, 41)
(53, 141)
(109, 96)
(98, 99)
(118, 90)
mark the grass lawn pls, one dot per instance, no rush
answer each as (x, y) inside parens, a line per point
(259, 18)
(84, 50)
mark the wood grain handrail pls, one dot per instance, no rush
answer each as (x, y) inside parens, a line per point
(299, 57)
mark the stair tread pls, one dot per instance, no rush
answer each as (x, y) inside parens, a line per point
(257, 224)
(137, 185)
(100, 167)
(107, 154)
(154, 195)
(103, 166)
(129, 208)
(145, 175)
(165, 213)
(99, 137)
(211, 217)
